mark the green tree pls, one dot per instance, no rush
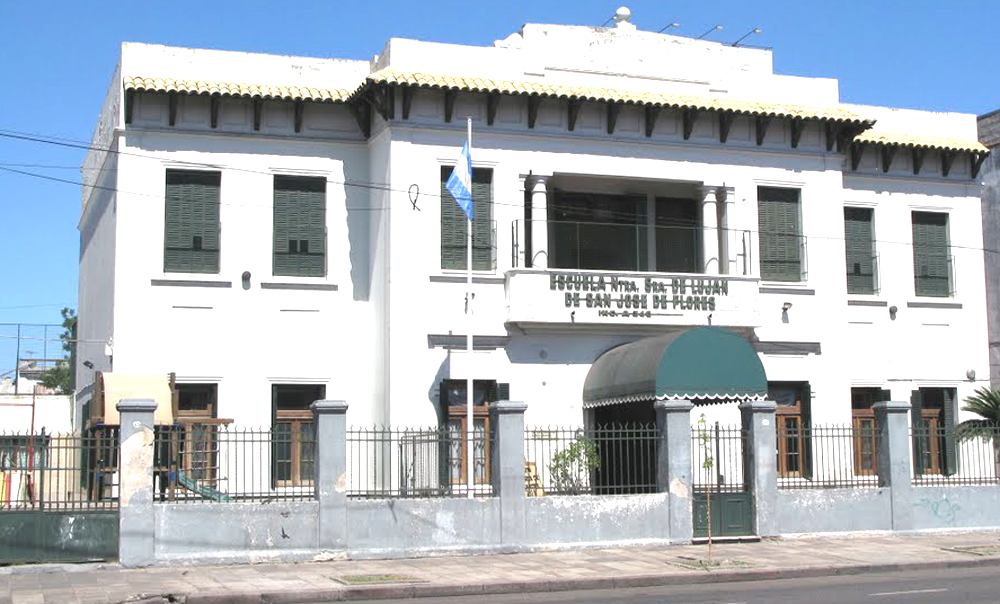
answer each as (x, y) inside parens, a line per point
(570, 468)
(986, 404)
(60, 377)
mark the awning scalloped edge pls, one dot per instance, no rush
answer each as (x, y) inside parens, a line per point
(638, 398)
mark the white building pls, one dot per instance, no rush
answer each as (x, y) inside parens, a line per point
(272, 229)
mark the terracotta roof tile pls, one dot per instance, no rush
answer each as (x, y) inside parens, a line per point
(290, 93)
(927, 142)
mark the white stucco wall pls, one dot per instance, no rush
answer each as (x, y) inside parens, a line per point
(368, 340)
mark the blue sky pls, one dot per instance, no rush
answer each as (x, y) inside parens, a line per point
(58, 58)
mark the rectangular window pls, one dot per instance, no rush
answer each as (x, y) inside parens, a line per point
(859, 242)
(292, 436)
(455, 225)
(931, 255)
(191, 222)
(597, 231)
(454, 416)
(863, 422)
(197, 441)
(678, 229)
(299, 226)
(782, 245)
(933, 424)
(794, 424)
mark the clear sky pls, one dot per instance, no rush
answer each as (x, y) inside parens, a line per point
(58, 57)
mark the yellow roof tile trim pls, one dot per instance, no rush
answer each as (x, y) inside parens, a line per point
(609, 94)
(290, 93)
(927, 142)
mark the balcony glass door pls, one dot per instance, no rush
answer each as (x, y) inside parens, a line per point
(598, 232)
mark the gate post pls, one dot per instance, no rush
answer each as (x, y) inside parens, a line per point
(673, 466)
(761, 459)
(892, 425)
(508, 468)
(330, 467)
(136, 521)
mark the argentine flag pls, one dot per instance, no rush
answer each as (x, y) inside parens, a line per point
(459, 184)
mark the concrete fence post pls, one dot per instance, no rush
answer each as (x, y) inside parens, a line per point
(761, 455)
(673, 466)
(331, 472)
(894, 464)
(136, 522)
(507, 468)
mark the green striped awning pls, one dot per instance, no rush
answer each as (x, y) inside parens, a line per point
(700, 364)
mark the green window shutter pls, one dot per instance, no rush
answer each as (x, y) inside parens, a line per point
(950, 449)
(919, 430)
(454, 224)
(858, 239)
(299, 232)
(503, 391)
(807, 448)
(778, 234)
(884, 396)
(191, 222)
(931, 260)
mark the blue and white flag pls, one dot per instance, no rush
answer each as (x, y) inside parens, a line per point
(460, 181)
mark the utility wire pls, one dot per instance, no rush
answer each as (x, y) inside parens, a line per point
(13, 134)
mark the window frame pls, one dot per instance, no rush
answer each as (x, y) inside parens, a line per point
(284, 247)
(872, 252)
(296, 419)
(800, 413)
(449, 211)
(174, 218)
(765, 235)
(949, 276)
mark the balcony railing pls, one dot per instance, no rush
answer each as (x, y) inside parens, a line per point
(580, 245)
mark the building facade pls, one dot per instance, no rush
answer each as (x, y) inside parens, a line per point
(989, 135)
(275, 230)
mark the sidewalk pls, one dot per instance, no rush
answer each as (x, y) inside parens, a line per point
(464, 575)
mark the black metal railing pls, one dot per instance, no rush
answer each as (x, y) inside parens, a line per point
(60, 471)
(207, 462)
(950, 457)
(613, 459)
(718, 462)
(386, 462)
(828, 456)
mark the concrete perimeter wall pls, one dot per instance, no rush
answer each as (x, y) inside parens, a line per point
(834, 510)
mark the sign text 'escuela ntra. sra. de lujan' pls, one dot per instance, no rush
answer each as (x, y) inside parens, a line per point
(638, 296)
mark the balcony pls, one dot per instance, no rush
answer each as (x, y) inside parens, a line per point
(592, 273)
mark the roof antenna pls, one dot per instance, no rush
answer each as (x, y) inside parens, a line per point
(668, 27)
(755, 30)
(716, 28)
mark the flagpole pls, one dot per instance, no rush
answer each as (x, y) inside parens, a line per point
(469, 425)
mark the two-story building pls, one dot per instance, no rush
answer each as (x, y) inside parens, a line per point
(275, 230)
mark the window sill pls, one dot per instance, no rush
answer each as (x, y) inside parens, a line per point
(865, 300)
(188, 282)
(934, 302)
(794, 288)
(480, 277)
(299, 285)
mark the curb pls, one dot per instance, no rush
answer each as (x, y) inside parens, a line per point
(423, 590)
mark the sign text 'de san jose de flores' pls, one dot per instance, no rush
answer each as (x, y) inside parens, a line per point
(638, 293)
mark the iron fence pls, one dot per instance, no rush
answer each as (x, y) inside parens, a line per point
(208, 462)
(614, 459)
(386, 462)
(828, 456)
(717, 458)
(948, 457)
(60, 471)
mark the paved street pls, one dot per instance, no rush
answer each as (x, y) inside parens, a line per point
(944, 586)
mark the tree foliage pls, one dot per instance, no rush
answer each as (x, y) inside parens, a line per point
(570, 468)
(60, 377)
(986, 404)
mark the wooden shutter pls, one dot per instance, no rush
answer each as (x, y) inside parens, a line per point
(503, 391)
(191, 222)
(884, 396)
(950, 452)
(930, 254)
(778, 234)
(860, 258)
(299, 218)
(807, 448)
(919, 431)
(454, 224)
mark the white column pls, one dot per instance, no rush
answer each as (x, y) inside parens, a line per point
(725, 201)
(709, 232)
(651, 233)
(538, 186)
